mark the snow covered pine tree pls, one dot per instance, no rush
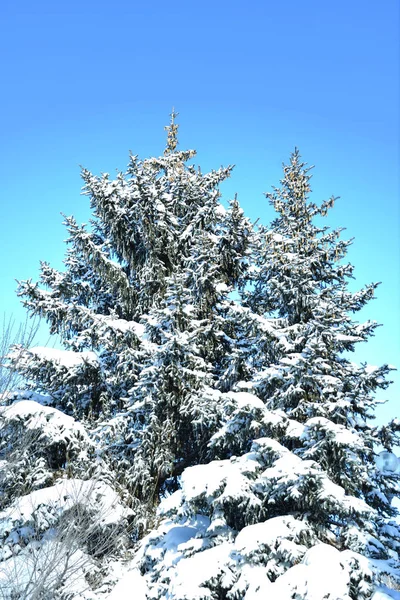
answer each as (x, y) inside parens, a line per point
(292, 505)
(139, 311)
(243, 416)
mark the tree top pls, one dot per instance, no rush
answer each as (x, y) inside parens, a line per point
(172, 136)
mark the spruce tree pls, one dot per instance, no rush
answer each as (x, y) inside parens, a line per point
(304, 281)
(207, 364)
(291, 503)
(140, 310)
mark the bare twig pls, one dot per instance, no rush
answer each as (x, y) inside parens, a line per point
(12, 334)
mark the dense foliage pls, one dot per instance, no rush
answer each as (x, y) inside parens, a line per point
(206, 386)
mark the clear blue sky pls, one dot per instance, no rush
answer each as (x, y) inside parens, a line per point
(84, 82)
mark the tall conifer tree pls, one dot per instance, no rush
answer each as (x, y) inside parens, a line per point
(292, 494)
(207, 364)
(140, 309)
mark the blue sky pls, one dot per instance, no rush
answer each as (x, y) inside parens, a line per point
(84, 82)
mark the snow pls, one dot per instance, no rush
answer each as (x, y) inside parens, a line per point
(189, 309)
(278, 237)
(186, 568)
(30, 395)
(320, 575)
(132, 586)
(164, 548)
(36, 416)
(190, 574)
(207, 480)
(270, 373)
(270, 447)
(287, 469)
(123, 325)
(291, 360)
(246, 400)
(221, 287)
(220, 210)
(66, 358)
(341, 337)
(60, 498)
(253, 583)
(295, 429)
(341, 434)
(171, 503)
(44, 568)
(43, 536)
(179, 535)
(329, 381)
(268, 533)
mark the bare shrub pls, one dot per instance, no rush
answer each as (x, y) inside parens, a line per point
(38, 445)
(54, 540)
(12, 334)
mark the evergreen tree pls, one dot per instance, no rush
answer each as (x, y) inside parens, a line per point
(140, 309)
(207, 365)
(292, 494)
(303, 280)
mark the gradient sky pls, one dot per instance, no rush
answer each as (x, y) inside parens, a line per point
(85, 82)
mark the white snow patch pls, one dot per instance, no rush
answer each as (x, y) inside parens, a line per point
(295, 429)
(255, 579)
(321, 575)
(267, 533)
(123, 325)
(339, 433)
(245, 399)
(171, 503)
(220, 210)
(30, 395)
(208, 479)
(132, 586)
(190, 574)
(45, 416)
(63, 496)
(341, 337)
(292, 359)
(45, 567)
(66, 358)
